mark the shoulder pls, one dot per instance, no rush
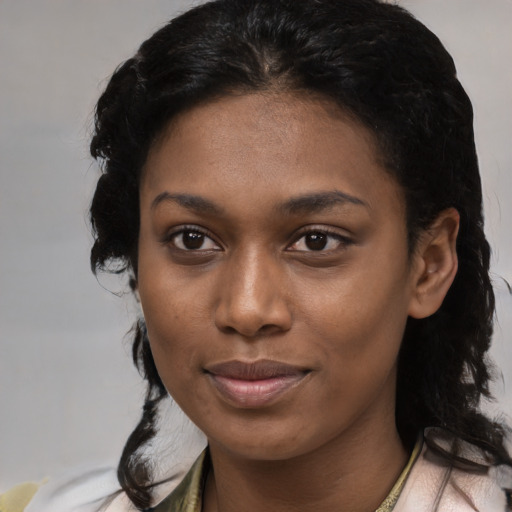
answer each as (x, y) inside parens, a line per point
(434, 484)
(80, 491)
(93, 490)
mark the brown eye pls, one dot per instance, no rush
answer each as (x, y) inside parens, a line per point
(193, 240)
(315, 241)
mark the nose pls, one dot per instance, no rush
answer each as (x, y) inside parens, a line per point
(253, 297)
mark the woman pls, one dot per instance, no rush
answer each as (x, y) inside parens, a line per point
(294, 190)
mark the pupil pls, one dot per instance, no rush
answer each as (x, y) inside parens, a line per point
(193, 239)
(316, 241)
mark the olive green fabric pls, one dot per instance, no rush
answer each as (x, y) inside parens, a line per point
(187, 497)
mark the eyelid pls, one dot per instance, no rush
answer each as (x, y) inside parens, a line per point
(169, 235)
(344, 240)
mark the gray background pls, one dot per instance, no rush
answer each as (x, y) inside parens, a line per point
(68, 393)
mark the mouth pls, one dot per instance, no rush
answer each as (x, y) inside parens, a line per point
(255, 384)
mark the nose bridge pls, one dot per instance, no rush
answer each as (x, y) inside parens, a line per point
(253, 296)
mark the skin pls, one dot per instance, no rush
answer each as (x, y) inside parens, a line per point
(253, 289)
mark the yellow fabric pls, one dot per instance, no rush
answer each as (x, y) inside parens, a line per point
(389, 503)
(17, 498)
(187, 497)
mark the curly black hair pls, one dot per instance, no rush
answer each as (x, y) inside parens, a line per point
(381, 66)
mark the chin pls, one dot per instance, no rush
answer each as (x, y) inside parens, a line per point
(268, 444)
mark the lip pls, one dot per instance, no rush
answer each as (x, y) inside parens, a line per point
(254, 384)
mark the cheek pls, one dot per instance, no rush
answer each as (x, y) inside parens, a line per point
(176, 326)
(357, 338)
(170, 303)
(173, 319)
(360, 317)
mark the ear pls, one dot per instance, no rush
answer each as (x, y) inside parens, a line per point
(435, 264)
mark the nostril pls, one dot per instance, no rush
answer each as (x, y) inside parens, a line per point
(248, 333)
(227, 329)
(268, 329)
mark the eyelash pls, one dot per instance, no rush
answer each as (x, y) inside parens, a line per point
(342, 240)
(170, 238)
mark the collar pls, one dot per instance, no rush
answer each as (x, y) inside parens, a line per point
(188, 495)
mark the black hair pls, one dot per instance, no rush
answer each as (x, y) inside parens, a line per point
(384, 68)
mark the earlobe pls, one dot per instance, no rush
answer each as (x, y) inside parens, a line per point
(435, 264)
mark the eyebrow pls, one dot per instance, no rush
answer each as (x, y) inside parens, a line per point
(319, 201)
(307, 203)
(190, 202)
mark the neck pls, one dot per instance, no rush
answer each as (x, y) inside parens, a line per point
(353, 472)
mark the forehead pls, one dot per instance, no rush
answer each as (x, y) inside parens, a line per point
(277, 144)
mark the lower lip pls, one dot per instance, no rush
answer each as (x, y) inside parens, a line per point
(254, 393)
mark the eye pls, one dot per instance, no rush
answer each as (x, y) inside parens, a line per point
(193, 240)
(319, 241)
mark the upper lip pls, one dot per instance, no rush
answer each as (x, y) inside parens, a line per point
(257, 370)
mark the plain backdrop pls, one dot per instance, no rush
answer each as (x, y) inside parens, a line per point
(68, 393)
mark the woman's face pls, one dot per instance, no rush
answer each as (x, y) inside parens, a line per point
(274, 274)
